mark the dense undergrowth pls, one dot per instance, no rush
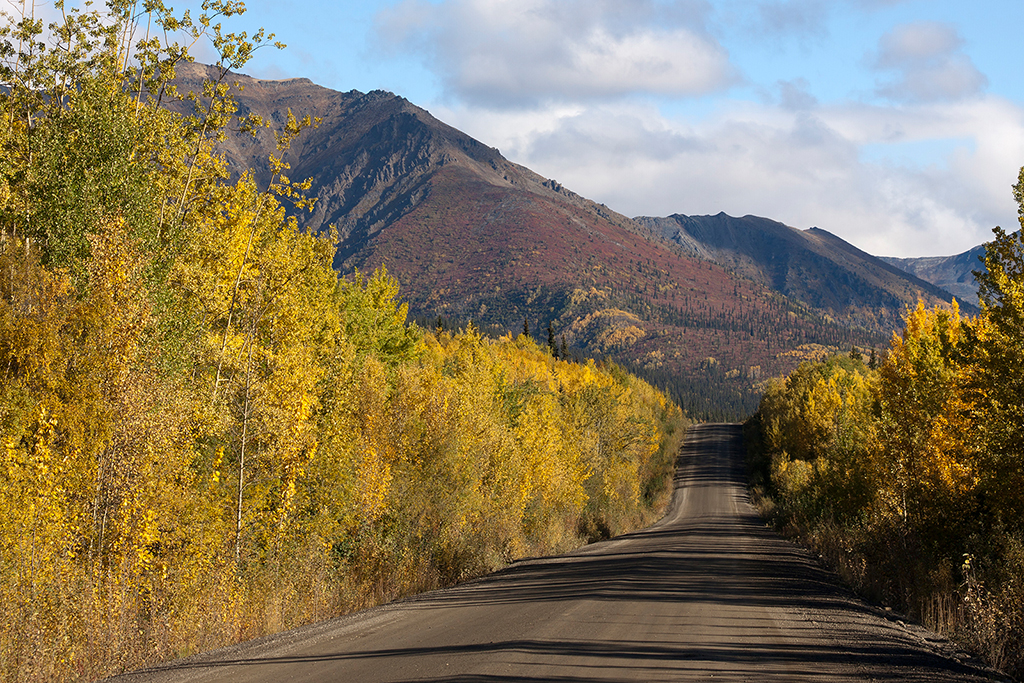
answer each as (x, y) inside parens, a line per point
(907, 475)
(205, 435)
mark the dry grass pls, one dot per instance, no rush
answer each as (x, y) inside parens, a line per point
(985, 618)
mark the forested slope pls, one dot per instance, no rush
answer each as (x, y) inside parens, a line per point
(205, 435)
(471, 235)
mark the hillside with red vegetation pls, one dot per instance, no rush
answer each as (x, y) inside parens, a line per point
(501, 255)
(473, 236)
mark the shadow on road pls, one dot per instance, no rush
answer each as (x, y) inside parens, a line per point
(696, 553)
(711, 569)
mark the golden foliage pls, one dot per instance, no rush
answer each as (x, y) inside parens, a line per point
(205, 435)
(903, 472)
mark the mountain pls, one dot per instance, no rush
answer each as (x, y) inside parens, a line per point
(471, 235)
(374, 157)
(811, 266)
(955, 274)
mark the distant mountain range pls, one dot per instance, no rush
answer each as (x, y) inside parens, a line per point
(708, 306)
(811, 266)
(954, 274)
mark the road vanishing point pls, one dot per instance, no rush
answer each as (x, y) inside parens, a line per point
(709, 593)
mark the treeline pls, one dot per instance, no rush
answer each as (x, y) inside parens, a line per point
(711, 393)
(782, 325)
(910, 477)
(205, 435)
(706, 395)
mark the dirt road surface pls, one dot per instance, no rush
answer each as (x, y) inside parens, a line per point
(707, 594)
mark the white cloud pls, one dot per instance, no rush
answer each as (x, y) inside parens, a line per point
(917, 43)
(795, 95)
(928, 63)
(794, 16)
(502, 53)
(804, 168)
(549, 82)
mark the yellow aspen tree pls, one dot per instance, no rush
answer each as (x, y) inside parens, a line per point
(926, 436)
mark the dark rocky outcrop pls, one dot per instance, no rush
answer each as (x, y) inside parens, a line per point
(812, 266)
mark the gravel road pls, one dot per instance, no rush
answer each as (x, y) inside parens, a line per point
(708, 593)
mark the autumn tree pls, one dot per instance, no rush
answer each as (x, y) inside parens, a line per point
(928, 441)
(998, 348)
(206, 435)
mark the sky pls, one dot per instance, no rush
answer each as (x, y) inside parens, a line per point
(896, 124)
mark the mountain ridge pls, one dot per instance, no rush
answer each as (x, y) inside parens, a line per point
(812, 266)
(954, 273)
(472, 235)
(368, 171)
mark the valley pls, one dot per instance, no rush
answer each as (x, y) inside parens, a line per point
(310, 383)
